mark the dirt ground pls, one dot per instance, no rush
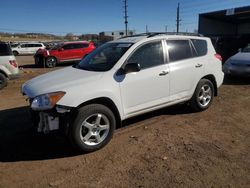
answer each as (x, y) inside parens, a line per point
(172, 147)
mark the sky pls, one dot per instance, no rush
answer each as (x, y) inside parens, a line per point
(93, 16)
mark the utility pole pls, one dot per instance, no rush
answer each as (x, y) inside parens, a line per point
(166, 28)
(178, 18)
(126, 16)
(146, 28)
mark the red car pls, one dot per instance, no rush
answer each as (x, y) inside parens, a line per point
(63, 52)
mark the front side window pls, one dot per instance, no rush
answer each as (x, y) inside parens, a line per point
(104, 57)
(148, 55)
(68, 47)
(179, 50)
(80, 45)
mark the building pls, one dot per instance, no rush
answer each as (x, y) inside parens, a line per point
(229, 29)
(116, 34)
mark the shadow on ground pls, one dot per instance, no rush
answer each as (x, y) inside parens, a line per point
(234, 80)
(32, 66)
(19, 143)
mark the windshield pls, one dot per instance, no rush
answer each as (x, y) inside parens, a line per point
(246, 49)
(104, 57)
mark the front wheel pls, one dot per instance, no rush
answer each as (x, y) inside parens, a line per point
(3, 81)
(92, 128)
(51, 62)
(203, 95)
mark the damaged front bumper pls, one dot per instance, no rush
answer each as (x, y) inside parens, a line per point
(56, 119)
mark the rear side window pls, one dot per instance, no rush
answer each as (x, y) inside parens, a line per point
(148, 55)
(5, 49)
(200, 46)
(179, 50)
(37, 45)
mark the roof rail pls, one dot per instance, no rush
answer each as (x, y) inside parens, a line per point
(173, 33)
(152, 34)
(137, 35)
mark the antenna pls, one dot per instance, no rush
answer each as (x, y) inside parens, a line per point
(126, 16)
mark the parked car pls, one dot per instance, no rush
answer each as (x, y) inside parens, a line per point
(238, 64)
(122, 79)
(8, 65)
(63, 52)
(27, 48)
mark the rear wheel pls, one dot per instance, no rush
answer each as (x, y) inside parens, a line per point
(203, 95)
(93, 127)
(51, 62)
(3, 81)
(15, 53)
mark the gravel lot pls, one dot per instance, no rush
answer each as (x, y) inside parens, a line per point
(172, 147)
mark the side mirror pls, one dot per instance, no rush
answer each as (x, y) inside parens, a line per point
(60, 49)
(131, 67)
(240, 50)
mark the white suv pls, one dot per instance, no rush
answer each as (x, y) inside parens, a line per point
(8, 65)
(122, 79)
(27, 48)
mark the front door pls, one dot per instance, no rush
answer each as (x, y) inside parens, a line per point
(149, 87)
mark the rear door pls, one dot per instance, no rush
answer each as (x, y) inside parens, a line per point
(185, 68)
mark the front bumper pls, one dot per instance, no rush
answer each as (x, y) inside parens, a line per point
(39, 59)
(51, 120)
(14, 76)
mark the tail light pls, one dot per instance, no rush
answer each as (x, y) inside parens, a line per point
(13, 63)
(218, 56)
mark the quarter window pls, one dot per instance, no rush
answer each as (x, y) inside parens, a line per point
(179, 50)
(200, 46)
(148, 55)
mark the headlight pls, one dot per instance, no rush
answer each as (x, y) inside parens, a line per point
(46, 101)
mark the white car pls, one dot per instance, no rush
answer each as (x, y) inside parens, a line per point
(8, 65)
(27, 48)
(122, 79)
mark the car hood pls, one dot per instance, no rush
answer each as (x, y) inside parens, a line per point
(241, 57)
(59, 80)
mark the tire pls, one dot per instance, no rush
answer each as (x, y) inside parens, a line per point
(15, 53)
(203, 95)
(51, 62)
(3, 81)
(92, 128)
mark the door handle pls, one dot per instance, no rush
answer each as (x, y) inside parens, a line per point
(163, 73)
(198, 65)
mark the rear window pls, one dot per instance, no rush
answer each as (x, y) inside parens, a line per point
(5, 49)
(200, 46)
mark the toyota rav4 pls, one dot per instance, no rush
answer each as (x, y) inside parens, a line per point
(66, 51)
(122, 79)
